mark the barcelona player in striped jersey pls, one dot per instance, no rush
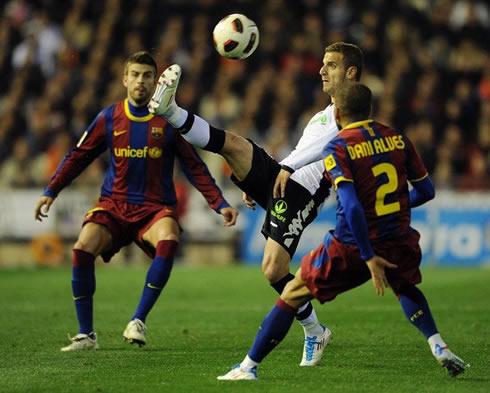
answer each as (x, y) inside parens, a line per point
(370, 166)
(138, 200)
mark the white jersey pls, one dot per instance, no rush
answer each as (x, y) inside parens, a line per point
(306, 158)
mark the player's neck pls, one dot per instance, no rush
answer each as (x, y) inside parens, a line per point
(137, 110)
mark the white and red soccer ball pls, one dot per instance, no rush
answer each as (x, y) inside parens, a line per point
(236, 36)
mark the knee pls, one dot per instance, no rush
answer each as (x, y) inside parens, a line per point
(235, 144)
(272, 270)
(94, 239)
(94, 246)
(83, 246)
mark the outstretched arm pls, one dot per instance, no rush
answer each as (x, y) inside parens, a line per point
(91, 145)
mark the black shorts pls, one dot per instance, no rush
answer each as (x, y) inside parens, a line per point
(286, 218)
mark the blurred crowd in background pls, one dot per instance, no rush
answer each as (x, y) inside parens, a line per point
(427, 63)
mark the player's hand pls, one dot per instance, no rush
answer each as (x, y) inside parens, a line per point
(377, 267)
(280, 184)
(249, 202)
(230, 214)
(39, 212)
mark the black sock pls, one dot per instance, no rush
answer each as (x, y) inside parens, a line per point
(305, 313)
(279, 285)
(189, 122)
(216, 140)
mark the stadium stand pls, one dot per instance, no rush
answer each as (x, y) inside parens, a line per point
(427, 62)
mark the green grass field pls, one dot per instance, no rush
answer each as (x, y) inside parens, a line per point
(205, 322)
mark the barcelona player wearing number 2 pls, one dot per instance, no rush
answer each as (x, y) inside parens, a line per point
(369, 165)
(138, 200)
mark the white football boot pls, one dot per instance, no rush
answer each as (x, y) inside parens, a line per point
(239, 374)
(162, 102)
(314, 347)
(135, 332)
(81, 342)
(452, 363)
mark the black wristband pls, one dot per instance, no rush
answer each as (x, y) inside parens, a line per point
(288, 169)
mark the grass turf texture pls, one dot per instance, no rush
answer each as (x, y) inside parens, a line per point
(205, 322)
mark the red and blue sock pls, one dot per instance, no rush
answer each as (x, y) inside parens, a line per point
(157, 277)
(83, 288)
(416, 309)
(303, 312)
(274, 328)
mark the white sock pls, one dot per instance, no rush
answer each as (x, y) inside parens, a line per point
(311, 319)
(248, 363)
(434, 340)
(198, 135)
(315, 329)
(302, 308)
(177, 116)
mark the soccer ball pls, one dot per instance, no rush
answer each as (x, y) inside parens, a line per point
(236, 36)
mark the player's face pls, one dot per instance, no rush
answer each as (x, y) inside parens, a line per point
(140, 81)
(333, 72)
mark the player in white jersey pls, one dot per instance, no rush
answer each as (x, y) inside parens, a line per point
(290, 205)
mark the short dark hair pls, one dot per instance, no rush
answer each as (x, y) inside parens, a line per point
(141, 57)
(352, 55)
(353, 99)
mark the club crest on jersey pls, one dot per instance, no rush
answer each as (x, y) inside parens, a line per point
(156, 132)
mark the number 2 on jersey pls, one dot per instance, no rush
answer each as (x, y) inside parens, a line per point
(380, 206)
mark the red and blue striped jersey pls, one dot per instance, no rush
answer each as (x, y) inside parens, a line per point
(379, 161)
(143, 148)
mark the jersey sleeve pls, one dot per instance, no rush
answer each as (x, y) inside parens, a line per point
(92, 144)
(415, 166)
(337, 163)
(309, 149)
(198, 174)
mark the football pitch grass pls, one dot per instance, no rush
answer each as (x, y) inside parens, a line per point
(205, 322)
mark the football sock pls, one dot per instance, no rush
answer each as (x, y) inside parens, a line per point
(306, 314)
(311, 325)
(272, 331)
(157, 277)
(248, 363)
(198, 132)
(281, 284)
(176, 116)
(417, 310)
(83, 288)
(436, 344)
